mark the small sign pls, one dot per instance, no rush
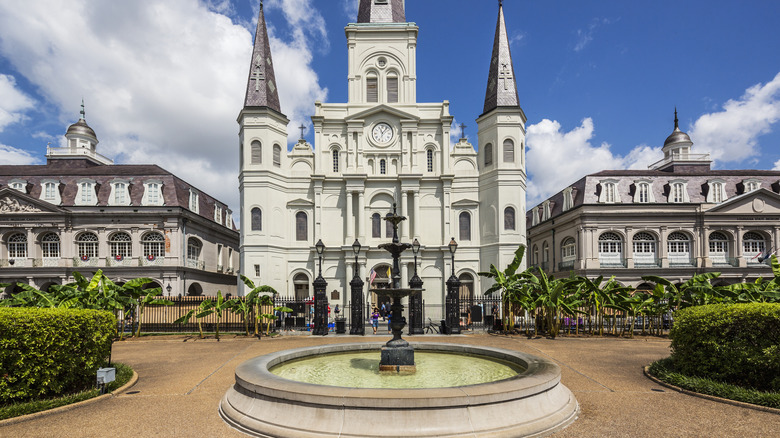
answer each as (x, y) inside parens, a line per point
(334, 295)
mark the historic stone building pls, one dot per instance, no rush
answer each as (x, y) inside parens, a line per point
(381, 147)
(676, 219)
(80, 212)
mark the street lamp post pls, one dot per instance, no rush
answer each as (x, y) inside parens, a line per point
(357, 326)
(415, 299)
(452, 302)
(320, 297)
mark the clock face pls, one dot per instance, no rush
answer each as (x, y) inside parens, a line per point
(382, 133)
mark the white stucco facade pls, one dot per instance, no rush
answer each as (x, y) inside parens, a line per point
(379, 148)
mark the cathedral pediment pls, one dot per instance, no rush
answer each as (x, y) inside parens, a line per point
(465, 203)
(300, 203)
(12, 201)
(761, 202)
(382, 109)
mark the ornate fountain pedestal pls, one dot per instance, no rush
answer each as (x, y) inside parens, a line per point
(397, 356)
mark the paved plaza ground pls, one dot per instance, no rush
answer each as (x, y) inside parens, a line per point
(182, 380)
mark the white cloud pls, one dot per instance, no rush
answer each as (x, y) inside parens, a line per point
(13, 102)
(584, 37)
(14, 156)
(163, 81)
(777, 165)
(557, 158)
(455, 131)
(350, 9)
(732, 135)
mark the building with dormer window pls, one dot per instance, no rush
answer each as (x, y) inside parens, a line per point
(676, 219)
(80, 212)
(381, 147)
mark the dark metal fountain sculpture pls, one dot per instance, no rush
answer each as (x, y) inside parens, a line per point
(397, 355)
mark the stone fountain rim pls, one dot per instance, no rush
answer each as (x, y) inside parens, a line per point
(540, 375)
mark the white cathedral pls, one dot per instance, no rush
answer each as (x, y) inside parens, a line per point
(379, 148)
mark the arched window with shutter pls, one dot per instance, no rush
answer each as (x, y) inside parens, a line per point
(376, 225)
(257, 219)
(509, 151)
(464, 225)
(509, 219)
(301, 226)
(277, 155)
(256, 153)
(372, 88)
(488, 154)
(392, 88)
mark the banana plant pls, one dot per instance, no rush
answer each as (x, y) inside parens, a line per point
(150, 298)
(270, 317)
(504, 282)
(256, 297)
(218, 306)
(203, 310)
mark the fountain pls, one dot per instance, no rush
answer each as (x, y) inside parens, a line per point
(397, 355)
(467, 392)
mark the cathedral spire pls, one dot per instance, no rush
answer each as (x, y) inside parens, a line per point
(261, 88)
(501, 86)
(381, 11)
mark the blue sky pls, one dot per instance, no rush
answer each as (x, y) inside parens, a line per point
(163, 80)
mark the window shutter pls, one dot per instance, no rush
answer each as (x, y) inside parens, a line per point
(372, 91)
(392, 90)
(509, 151)
(257, 156)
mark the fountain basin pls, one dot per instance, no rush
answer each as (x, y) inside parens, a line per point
(533, 403)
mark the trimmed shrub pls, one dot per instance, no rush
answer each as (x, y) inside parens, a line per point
(735, 343)
(48, 352)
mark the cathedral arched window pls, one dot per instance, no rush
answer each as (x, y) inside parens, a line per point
(301, 226)
(372, 88)
(464, 225)
(257, 219)
(256, 153)
(382, 167)
(509, 151)
(509, 219)
(277, 155)
(429, 154)
(376, 225)
(335, 155)
(488, 154)
(388, 226)
(392, 88)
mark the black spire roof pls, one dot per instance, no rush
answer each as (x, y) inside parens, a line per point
(381, 11)
(261, 88)
(501, 85)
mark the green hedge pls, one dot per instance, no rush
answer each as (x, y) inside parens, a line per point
(48, 352)
(738, 343)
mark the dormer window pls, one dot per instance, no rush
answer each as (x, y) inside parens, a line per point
(751, 185)
(644, 192)
(717, 191)
(546, 210)
(218, 214)
(193, 201)
(535, 216)
(678, 191)
(609, 192)
(50, 191)
(119, 193)
(86, 193)
(18, 185)
(152, 193)
(229, 219)
(568, 198)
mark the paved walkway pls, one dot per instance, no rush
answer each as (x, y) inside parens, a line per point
(182, 380)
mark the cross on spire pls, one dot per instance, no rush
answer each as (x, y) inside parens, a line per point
(462, 131)
(302, 128)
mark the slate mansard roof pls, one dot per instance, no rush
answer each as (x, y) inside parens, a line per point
(586, 190)
(69, 172)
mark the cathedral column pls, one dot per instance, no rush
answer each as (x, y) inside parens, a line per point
(361, 214)
(404, 274)
(416, 214)
(405, 212)
(350, 219)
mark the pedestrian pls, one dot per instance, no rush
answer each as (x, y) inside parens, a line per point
(336, 310)
(389, 321)
(375, 319)
(468, 318)
(384, 312)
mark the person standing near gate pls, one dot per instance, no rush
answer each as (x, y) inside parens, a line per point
(375, 319)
